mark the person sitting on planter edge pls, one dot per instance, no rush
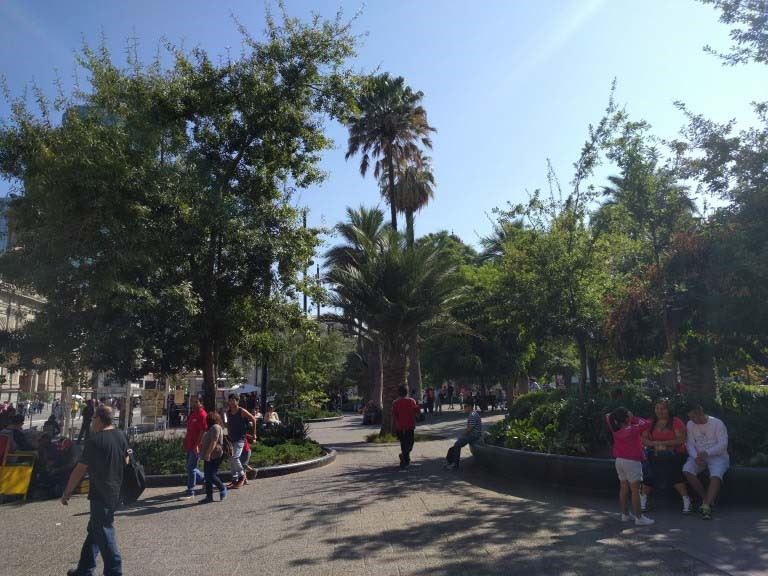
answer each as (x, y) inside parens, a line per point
(471, 435)
(664, 444)
(707, 443)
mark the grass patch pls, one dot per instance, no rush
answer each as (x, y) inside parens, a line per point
(377, 438)
(166, 455)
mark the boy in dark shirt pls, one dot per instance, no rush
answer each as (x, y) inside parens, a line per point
(104, 458)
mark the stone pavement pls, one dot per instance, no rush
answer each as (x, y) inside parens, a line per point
(361, 515)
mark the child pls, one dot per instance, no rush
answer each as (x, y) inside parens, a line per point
(629, 454)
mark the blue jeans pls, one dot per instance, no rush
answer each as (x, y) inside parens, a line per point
(194, 476)
(234, 463)
(212, 479)
(100, 538)
(462, 441)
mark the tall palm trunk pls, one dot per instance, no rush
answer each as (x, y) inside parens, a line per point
(409, 233)
(395, 373)
(374, 372)
(392, 199)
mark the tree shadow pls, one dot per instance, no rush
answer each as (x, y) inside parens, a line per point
(477, 524)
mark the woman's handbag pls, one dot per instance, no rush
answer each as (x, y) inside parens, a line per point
(226, 446)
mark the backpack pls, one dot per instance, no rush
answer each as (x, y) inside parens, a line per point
(134, 480)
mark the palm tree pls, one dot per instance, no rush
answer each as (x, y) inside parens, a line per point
(503, 232)
(389, 125)
(414, 188)
(362, 232)
(399, 290)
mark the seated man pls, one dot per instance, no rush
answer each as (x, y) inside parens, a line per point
(707, 443)
(51, 427)
(472, 434)
(17, 438)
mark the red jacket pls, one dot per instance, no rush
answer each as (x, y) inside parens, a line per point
(196, 427)
(404, 411)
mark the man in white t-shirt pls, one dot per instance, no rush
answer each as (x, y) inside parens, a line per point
(707, 443)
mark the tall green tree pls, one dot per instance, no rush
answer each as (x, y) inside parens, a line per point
(362, 232)
(387, 128)
(400, 290)
(156, 218)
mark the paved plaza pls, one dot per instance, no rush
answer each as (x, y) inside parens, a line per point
(363, 516)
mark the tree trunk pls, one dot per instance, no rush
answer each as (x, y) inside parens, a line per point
(374, 372)
(409, 230)
(209, 375)
(414, 367)
(522, 383)
(592, 363)
(392, 199)
(395, 373)
(581, 344)
(697, 373)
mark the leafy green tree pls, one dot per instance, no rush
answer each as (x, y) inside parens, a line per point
(307, 364)
(155, 219)
(387, 128)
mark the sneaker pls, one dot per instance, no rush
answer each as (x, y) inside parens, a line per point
(643, 521)
(686, 505)
(643, 502)
(706, 512)
(627, 517)
(187, 496)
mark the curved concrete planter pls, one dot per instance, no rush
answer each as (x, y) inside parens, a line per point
(742, 484)
(266, 472)
(330, 419)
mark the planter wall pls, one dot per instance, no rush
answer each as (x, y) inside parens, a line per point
(266, 472)
(742, 485)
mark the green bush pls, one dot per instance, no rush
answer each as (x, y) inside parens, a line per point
(312, 413)
(560, 423)
(167, 456)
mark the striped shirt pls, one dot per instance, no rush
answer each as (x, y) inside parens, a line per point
(475, 425)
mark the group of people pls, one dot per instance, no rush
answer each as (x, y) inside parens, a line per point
(205, 440)
(23, 407)
(663, 451)
(405, 412)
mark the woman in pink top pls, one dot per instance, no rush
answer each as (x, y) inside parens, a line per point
(628, 451)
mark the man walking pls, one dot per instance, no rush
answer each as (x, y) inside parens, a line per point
(707, 443)
(104, 459)
(472, 433)
(196, 427)
(404, 411)
(237, 418)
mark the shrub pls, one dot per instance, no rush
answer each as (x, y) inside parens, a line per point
(569, 424)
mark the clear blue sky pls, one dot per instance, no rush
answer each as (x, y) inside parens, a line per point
(507, 83)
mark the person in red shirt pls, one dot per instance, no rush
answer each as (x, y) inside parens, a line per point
(404, 411)
(196, 427)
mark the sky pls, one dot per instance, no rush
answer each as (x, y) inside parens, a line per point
(507, 83)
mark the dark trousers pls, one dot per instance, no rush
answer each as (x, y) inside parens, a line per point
(211, 469)
(101, 538)
(85, 430)
(406, 443)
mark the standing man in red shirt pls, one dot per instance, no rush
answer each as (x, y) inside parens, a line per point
(404, 411)
(196, 427)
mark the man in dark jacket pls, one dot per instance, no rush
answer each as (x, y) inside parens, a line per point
(104, 459)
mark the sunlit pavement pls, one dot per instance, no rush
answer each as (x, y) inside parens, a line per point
(362, 515)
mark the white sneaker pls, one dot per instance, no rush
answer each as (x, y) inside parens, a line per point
(643, 521)
(627, 517)
(643, 502)
(686, 504)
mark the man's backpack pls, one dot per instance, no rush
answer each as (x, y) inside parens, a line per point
(452, 457)
(134, 480)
